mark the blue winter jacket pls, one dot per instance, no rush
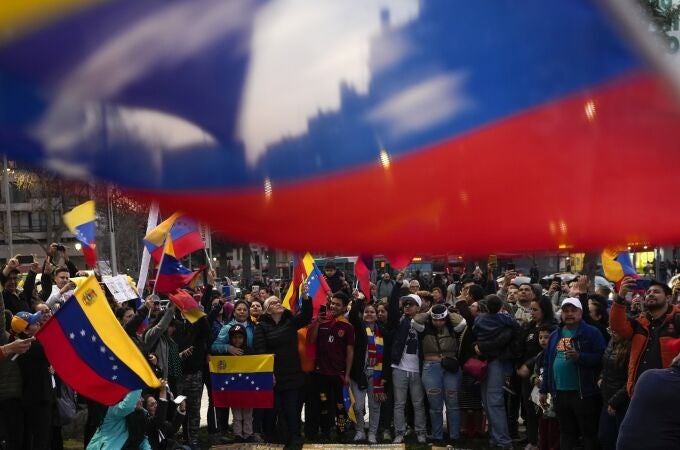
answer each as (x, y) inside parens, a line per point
(590, 345)
(112, 433)
(221, 344)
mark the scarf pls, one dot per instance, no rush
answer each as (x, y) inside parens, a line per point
(374, 351)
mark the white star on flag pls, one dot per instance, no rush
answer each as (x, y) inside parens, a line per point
(114, 367)
(82, 333)
(72, 335)
(94, 338)
(102, 349)
(115, 377)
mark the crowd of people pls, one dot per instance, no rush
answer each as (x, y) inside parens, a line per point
(567, 365)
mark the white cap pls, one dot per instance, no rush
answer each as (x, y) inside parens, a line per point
(413, 297)
(573, 302)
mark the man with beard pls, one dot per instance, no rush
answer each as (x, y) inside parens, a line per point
(653, 333)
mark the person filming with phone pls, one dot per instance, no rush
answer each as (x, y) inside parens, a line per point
(653, 332)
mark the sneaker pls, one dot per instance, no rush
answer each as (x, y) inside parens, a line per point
(359, 436)
(387, 436)
(422, 438)
(398, 439)
(371, 439)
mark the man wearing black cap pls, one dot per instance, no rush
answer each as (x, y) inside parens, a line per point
(653, 333)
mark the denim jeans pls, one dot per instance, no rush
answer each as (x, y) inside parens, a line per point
(442, 388)
(360, 405)
(405, 382)
(494, 403)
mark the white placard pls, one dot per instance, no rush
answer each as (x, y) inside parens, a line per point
(120, 288)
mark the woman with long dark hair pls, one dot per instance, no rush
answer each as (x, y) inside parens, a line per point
(613, 379)
(542, 314)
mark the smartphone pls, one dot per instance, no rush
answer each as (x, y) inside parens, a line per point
(61, 248)
(557, 280)
(25, 259)
(322, 309)
(179, 399)
(642, 284)
(255, 289)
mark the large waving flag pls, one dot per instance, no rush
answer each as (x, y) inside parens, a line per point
(178, 235)
(82, 222)
(616, 264)
(318, 289)
(245, 381)
(558, 78)
(90, 351)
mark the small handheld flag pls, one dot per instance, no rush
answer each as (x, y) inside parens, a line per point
(82, 222)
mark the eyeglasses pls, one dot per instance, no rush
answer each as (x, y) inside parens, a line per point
(408, 305)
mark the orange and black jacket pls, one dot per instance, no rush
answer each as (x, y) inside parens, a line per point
(636, 330)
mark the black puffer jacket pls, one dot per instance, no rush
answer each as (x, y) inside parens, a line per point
(614, 377)
(281, 340)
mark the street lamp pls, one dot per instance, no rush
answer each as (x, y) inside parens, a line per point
(78, 246)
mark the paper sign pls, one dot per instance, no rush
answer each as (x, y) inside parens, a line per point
(120, 288)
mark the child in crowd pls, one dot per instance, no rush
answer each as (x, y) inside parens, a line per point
(243, 417)
(548, 426)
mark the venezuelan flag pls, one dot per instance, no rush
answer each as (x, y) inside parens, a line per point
(186, 303)
(172, 275)
(362, 270)
(178, 235)
(245, 381)
(616, 264)
(155, 240)
(318, 288)
(81, 221)
(90, 351)
(348, 401)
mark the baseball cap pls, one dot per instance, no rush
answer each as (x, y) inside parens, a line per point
(23, 319)
(573, 302)
(237, 329)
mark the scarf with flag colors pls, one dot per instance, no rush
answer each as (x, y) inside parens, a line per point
(245, 381)
(90, 351)
(616, 264)
(177, 235)
(307, 270)
(374, 353)
(82, 222)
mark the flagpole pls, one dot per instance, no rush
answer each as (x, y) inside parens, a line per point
(146, 256)
(158, 272)
(208, 258)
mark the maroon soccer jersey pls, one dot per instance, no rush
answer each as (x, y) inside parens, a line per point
(331, 346)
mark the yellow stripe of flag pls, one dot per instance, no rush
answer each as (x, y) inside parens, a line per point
(93, 302)
(16, 15)
(241, 364)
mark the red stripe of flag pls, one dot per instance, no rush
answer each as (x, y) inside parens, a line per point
(73, 370)
(243, 399)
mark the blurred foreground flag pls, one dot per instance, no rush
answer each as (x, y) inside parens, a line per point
(245, 381)
(184, 90)
(82, 222)
(90, 351)
(616, 264)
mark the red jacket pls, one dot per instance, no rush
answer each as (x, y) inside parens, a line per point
(637, 331)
